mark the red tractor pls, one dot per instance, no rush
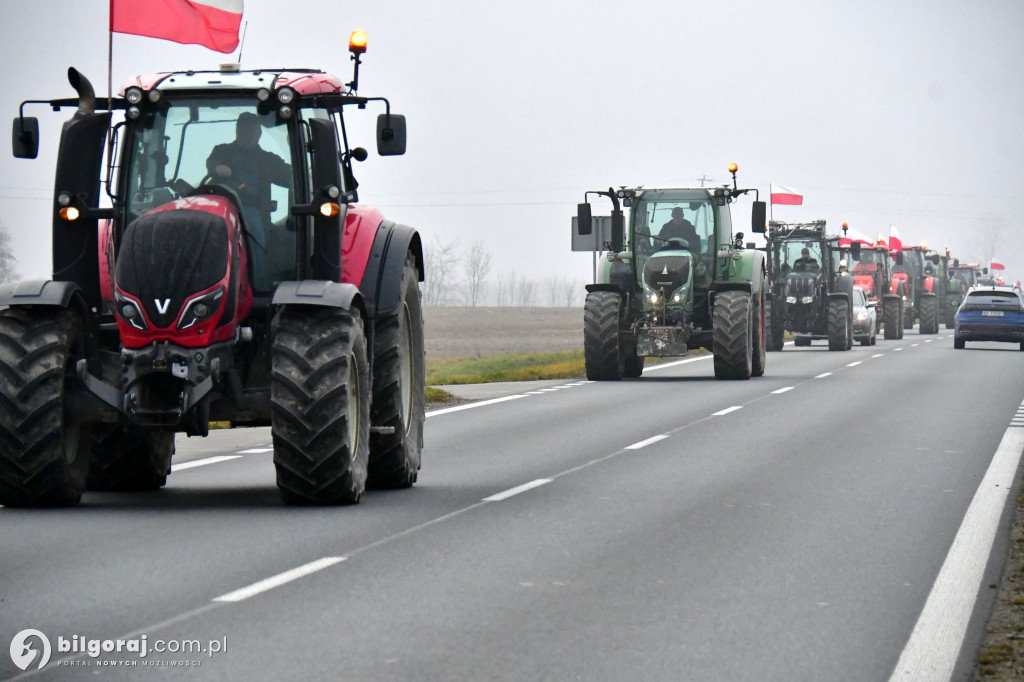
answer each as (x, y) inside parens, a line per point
(915, 272)
(231, 276)
(872, 272)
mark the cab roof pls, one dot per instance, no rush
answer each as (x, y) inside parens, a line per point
(303, 81)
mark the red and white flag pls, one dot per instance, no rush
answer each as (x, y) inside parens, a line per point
(786, 196)
(210, 23)
(996, 265)
(895, 243)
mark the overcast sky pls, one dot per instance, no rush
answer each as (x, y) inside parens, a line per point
(880, 113)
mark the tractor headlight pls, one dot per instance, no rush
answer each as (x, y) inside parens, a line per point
(677, 298)
(791, 299)
(133, 95)
(285, 95)
(200, 308)
(807, 299)
(654, 297)
(129, 311)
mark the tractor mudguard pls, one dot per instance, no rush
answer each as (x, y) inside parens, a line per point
(320, 293)
(614, 288)
(38, 292)
(382, 279)
(742, 285)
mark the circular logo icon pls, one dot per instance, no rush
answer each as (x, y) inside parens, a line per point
(24, 654)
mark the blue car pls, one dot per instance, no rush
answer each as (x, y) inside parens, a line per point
(990, 313)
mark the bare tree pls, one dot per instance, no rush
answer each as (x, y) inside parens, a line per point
(525, 290)
(553, 288)
(476, 267)
(499, 288)
(988, 236)
(571, 291)
(441, 263)
(8, 262)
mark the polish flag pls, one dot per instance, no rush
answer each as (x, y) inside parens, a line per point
(895, 243)
(996, 265)
(210, 23)
(785, 196)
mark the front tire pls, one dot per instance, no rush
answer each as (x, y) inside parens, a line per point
(129, 459)
(320, 405)
(44, 456)
(891, 318)
(601, 353)
(839, 324)
(929, 314)
(732, 335)
(399, 387)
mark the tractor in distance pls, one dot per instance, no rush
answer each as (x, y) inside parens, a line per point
(962, 276)
(241, 285)
(809, 295)
(915, 269)
(872, 272)
(674, 278)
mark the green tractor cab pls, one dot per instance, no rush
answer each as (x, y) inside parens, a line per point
(673, 277)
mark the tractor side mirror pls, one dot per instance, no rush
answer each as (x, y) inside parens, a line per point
(855, 250)
(899, 258)
(25, 137)
(617, 225)
(984, 271)
(935, 260)
(584, 222)
(390, 135)
(757, 217)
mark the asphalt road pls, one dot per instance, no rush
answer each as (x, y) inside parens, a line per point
(674, 527)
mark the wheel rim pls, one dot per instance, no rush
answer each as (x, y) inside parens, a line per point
(355, 407)
(405, 367)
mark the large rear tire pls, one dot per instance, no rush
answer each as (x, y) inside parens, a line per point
(733, 335)
(632, 364)
(891, 318)
(601, 353)
(129, 459)
(929, 314)
(44, 456)
(320, 405)
(775, 332)
(758, 358)
(840, 327)
(399, 386)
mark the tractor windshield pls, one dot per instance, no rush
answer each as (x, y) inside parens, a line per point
(913, 263)
(791, 257)
(667, 221)
(194, 141)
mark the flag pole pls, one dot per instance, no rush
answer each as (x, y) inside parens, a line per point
(771, 205)
(110, 60)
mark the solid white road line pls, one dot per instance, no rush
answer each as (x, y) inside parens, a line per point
(511, 492)
(822, 376)
(655, 368)
(645, 443)
(470, 406)
(254, 451)
(727, 410)
(280, 579)
(784, 389)
(202, 462)
(934, 645)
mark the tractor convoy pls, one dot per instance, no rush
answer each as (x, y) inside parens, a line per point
(226, 274)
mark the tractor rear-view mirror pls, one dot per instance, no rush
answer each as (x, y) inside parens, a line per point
(584, 223)
(757, 217)
(390, 135)
(855, 250)
(899, 258)
(25, 137)
(617, 224)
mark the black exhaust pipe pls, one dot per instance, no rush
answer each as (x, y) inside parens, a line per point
(86, 94)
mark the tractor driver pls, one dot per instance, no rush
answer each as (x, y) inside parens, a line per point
(805, 262)
(250, 170)
(680, 228)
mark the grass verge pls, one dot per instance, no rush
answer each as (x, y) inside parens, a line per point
(515, 367)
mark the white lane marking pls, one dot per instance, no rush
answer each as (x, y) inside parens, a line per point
(518, 489)
(727, 410)
(470, 406)
(534, 393)
(822, 376)
(927, 340)
(896, 350)
(935, 643)
(645, 443)
(548, 390)
(655, 368)
(784, 389)
(202, 462)
(878, 355)
(280, 579)
(913, 345)
(854, 364)
(254, 451)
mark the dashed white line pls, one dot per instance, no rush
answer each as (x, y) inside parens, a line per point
(482, 403)
(280, 579)
(645, 443)
(854, 364)
(822, 376)
(928, 340)
(896, 350)
(784, 389)
(202, 462)
(727, 410)
(878, 355)
(518, 489)
(913, 345)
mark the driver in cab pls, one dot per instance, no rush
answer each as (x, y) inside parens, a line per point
(805, 263)
(680, 228)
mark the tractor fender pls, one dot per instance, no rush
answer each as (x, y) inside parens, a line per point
(718, 287)
(319, 293)
(614, 288)
(57, 294)
(382, 278)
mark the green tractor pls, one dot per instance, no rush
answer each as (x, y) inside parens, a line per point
(676, 279)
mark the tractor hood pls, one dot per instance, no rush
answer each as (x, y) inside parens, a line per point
(667, 270)
(800, 285)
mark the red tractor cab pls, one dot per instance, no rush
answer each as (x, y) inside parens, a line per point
(218, 269)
